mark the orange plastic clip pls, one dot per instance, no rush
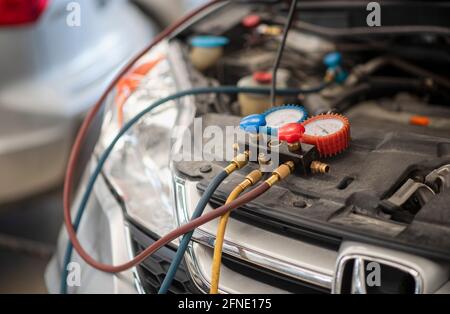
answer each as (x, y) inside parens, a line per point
(129, 83)
(419, 120)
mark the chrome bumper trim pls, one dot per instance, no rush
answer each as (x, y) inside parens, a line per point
(247, 254)
(260, 259)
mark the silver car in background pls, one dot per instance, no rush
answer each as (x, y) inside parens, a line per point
(56, 57)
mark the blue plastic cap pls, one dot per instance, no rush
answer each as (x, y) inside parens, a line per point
(209, 41)
(252, 123)
(333, 60)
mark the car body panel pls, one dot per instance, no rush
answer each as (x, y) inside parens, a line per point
(105, 223)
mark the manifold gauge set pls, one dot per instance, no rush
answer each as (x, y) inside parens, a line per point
(299, 138)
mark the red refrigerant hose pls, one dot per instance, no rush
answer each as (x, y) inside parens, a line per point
(193, 224)
(79, 141)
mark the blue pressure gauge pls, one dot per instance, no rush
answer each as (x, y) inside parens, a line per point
(280, 116)
(270, 121)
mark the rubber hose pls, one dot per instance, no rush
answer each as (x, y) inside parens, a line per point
(213, 185)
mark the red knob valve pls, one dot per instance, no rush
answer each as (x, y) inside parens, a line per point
(291, 133)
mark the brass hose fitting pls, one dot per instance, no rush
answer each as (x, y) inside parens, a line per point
(281, 173)
(238, 162)
(251, 179)
(294, 147)
(318, 167)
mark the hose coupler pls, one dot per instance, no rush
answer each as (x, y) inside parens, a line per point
(238, 162)
(251, 179)
(318, 167)
(281, 173)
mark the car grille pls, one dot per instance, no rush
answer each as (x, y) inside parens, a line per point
(154, 269)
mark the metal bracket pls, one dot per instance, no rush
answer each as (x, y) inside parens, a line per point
(422, 191)
(439, 178)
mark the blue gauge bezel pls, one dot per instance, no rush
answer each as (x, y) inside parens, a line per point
(274, 131)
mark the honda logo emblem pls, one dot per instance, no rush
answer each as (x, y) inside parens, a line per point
(355, 274)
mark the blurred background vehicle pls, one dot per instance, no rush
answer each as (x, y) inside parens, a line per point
(51, 71)
(164, 12)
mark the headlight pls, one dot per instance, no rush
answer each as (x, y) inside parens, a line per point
(139, 166)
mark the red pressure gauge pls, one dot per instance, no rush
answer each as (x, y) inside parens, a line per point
(330, 133)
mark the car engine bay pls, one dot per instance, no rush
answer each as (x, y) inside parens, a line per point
(391, 186)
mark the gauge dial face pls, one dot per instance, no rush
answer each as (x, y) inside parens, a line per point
(279, 118)
(324, 127)
(330, 133)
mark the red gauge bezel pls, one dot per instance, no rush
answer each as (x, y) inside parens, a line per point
(333, 144)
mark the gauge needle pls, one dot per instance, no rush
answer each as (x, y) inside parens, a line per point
(324, 130)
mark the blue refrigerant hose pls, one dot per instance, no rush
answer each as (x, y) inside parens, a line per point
(213, 185)
(133, 121)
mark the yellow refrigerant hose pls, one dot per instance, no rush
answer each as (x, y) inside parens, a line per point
(255, 176)
(250, 180)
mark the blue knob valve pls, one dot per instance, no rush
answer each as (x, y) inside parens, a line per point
(253, 123)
